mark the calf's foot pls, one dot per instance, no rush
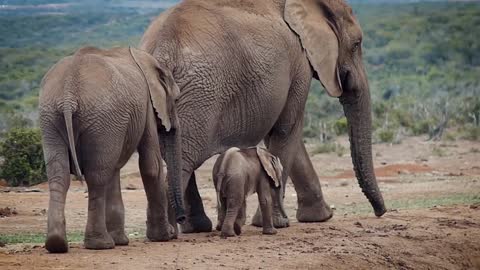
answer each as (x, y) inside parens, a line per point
(269, 231)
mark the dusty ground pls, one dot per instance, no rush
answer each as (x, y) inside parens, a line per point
(431, 189)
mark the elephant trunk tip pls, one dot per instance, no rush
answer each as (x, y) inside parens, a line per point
(380, 211)
(379, 208)
(181, 219)
(180, 216)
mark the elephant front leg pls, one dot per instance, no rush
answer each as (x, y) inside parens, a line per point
(115, 211)
(197, 220)
(96, 234)
(311, 204)
(150, 163)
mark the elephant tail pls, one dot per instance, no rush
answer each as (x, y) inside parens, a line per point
(218, 188)
(70, 106)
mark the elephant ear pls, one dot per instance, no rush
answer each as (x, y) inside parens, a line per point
(308, 19)
(272, 166)
(161, 85)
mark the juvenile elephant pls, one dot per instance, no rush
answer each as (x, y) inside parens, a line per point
(244, 69)
(96, 107)
(240, 173)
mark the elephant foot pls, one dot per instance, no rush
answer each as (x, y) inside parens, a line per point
(278, 220)
(160, 233)
(269, 231)
(119, 237)
(237, 228)
(56, 243)
(196, 224)
(98, 241)
(316, 212)
(227, 233)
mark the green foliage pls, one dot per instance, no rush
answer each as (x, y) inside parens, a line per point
(340, 126)
(386, 135)
(324, 148)
(10, 119)
(34, 238)
(22, 156)
(470, 132)
(329, 147)
(423, 65)
(421, 58)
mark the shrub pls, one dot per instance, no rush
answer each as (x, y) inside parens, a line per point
(329, 148)
(471, 133)
(22, 156)
(340, 126)
(310, 132)
(421, 127)
(324, 148)
(386, 135)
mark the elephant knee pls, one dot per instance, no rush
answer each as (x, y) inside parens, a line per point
(150, 172)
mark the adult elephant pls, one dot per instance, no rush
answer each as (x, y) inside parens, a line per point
(244, 69)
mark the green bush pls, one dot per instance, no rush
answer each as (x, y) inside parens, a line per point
(471, 133)
(421, 127)
(22, 155)
(324, 148)
(310, 132)
(386, 135)
(340, 126)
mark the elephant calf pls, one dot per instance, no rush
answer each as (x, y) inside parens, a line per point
(96, 108)
(239, 173)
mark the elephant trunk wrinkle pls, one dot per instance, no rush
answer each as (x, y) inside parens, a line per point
(173, 159)
(359, 121)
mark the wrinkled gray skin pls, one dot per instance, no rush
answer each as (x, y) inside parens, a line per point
(245, 73)
(95, 111)
(240, 173)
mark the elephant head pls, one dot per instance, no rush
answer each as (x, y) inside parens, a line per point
(163, 93)
(332, 39)
(274, 169)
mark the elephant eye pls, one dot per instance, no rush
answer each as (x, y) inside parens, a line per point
(356, 45)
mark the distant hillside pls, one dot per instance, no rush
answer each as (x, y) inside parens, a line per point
(58, 7)
(423, 59)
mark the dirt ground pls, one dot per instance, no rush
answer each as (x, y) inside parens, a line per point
(432, 190)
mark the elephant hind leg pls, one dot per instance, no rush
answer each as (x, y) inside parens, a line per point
(58, 173)
(115, 211)
(241, 218)
(221, 211)
(96, 234)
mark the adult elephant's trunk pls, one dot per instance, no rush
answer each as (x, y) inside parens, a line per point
(357, 108)
(173, 158)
